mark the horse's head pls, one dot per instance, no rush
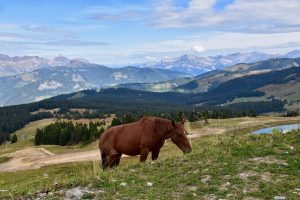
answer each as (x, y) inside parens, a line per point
(179, 137)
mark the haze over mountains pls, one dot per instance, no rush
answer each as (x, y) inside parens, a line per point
(32, 78)
(192, 64)
(197, 65)
(10, 66)
(282, 82)
(51, 81)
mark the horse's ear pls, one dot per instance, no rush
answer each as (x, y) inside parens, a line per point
(183, 121)
(173, 123)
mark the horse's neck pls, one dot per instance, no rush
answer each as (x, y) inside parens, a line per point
(164, 130)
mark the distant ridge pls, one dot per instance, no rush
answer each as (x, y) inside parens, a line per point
(197, 65)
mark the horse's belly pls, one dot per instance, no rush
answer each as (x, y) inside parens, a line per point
(128, 147)
(129, 150)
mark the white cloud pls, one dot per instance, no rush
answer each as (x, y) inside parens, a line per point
(198, 48)
(200, 5)
(241, 16)
(151, 58)
(222, 42)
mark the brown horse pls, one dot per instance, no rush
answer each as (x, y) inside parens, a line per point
(139, 138)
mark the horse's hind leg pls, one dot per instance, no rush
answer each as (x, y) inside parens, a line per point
(114, 159)
(104, 159)
(116, 162)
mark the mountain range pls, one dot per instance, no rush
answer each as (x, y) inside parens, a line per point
(209, 80)
(192, 64)
(278, 78)
(38, 78)
(11, 66)
(197, 65)
(51, 81)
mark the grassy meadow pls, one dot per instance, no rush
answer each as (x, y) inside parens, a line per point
(234, 165)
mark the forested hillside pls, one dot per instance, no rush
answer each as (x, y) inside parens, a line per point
(120, 101)
(212, 79)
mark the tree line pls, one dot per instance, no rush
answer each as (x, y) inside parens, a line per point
(68, 133)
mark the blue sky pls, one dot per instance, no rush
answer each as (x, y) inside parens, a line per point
(119, 32)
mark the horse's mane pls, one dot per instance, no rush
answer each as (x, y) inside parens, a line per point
(163, 125)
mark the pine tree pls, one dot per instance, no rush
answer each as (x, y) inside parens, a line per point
(38, 137)
(14, 138)
(115, 122)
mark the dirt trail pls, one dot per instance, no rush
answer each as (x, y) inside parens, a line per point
(206, 131)
(34, 158)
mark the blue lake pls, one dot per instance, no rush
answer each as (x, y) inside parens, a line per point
(282, 129)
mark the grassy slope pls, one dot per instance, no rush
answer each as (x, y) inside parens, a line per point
(4, 159)
(25, 135)
(26, 138)
(231, 166)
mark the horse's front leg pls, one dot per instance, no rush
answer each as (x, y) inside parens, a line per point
(155, 154)
(144, 154)
(156, 150)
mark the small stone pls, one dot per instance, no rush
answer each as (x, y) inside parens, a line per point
(205, 178)
(192, 188)
(100, 191)
(75, 193)
(42, 195)
(123, 184)
(225, 186)
(229, 195)
(61, 192)
(210, 197)
(149, 184)
(279, 198)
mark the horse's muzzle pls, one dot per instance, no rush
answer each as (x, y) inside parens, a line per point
(187, 151)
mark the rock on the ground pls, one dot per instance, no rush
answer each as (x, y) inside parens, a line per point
(279, 198)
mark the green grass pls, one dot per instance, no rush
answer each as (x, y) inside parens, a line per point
(29, 130)
(231, 166)
(4, 159)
